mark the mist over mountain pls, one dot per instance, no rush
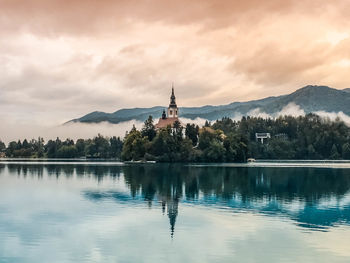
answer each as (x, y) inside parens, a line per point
(309, 99)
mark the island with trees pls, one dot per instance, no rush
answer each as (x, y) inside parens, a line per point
(292, 138)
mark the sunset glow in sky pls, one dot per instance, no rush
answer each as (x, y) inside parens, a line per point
(62, 59)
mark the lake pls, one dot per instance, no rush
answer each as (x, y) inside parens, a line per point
(109, 212)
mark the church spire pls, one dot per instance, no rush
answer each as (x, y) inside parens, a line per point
(172, 98)
(172, 114)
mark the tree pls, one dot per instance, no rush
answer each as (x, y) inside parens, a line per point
(25, 144)
(149, 129)
(227, 125)
(311, 152)
(68, 142)
(80, 145)
(205, 137)
(11, 148)
(40, 147)
(67, 151)
(163, 145)
(102, 146)
(215, 152)
(133, 146)
(334, 153)
(2, 147)
(51, 148)
(346, 151)
(99, 147)
(177, 131)
(187, 153)
(116, 147)
(192, 132)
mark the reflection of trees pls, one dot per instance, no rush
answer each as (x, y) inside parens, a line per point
(260, 189)
(247, 187)
(67, 170)
(225, 183)
(2, 167)
(26, 170)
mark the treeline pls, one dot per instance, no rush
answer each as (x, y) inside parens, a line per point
(305, 137)
(98, 147)
(226, 140)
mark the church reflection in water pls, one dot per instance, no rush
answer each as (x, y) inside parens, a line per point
(172, 206)
(314, 198)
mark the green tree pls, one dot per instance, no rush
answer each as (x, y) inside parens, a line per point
(215, 152)
(134, 146)
(334, 153)
(40, 147)
(149, 129)
(11, 148)
(187, 153)
(207, 123)
(2, 147)
(99, 147)
(116, 147)
(51, 147)
(80, 145)
(205, 137)
(163, 145)
(67, 151)
(311, 153)
(192, 132)
(346, 151)
(177, 131)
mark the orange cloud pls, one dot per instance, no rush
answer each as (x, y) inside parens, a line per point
(80, 56)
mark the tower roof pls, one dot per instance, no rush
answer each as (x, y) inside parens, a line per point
(172, 98)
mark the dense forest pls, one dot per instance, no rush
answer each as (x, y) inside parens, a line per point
(305, 137)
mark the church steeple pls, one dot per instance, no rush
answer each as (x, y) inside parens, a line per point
(172, 109)
(172, 98)
(171, 115)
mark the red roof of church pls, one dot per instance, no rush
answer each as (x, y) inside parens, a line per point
(163, 123)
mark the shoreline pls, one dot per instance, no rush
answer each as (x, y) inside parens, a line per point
(344, 164)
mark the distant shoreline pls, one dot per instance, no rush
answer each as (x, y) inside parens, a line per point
(336, 164)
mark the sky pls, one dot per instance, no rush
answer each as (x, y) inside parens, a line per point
(61, 59)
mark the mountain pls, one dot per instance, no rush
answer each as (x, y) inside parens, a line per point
(346, 90)
(309, 98)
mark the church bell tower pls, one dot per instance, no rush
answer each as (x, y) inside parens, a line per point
(170, 116)
(173, 111)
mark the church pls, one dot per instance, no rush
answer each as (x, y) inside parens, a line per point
(172, 114)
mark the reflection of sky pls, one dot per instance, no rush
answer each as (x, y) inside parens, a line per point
(57, 220)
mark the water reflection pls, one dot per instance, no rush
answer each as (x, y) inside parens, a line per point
(316, 199)
(294, 192)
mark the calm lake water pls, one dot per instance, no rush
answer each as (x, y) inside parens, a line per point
(81, 212)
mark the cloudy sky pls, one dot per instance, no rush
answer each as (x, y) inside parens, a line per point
(60, 59)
